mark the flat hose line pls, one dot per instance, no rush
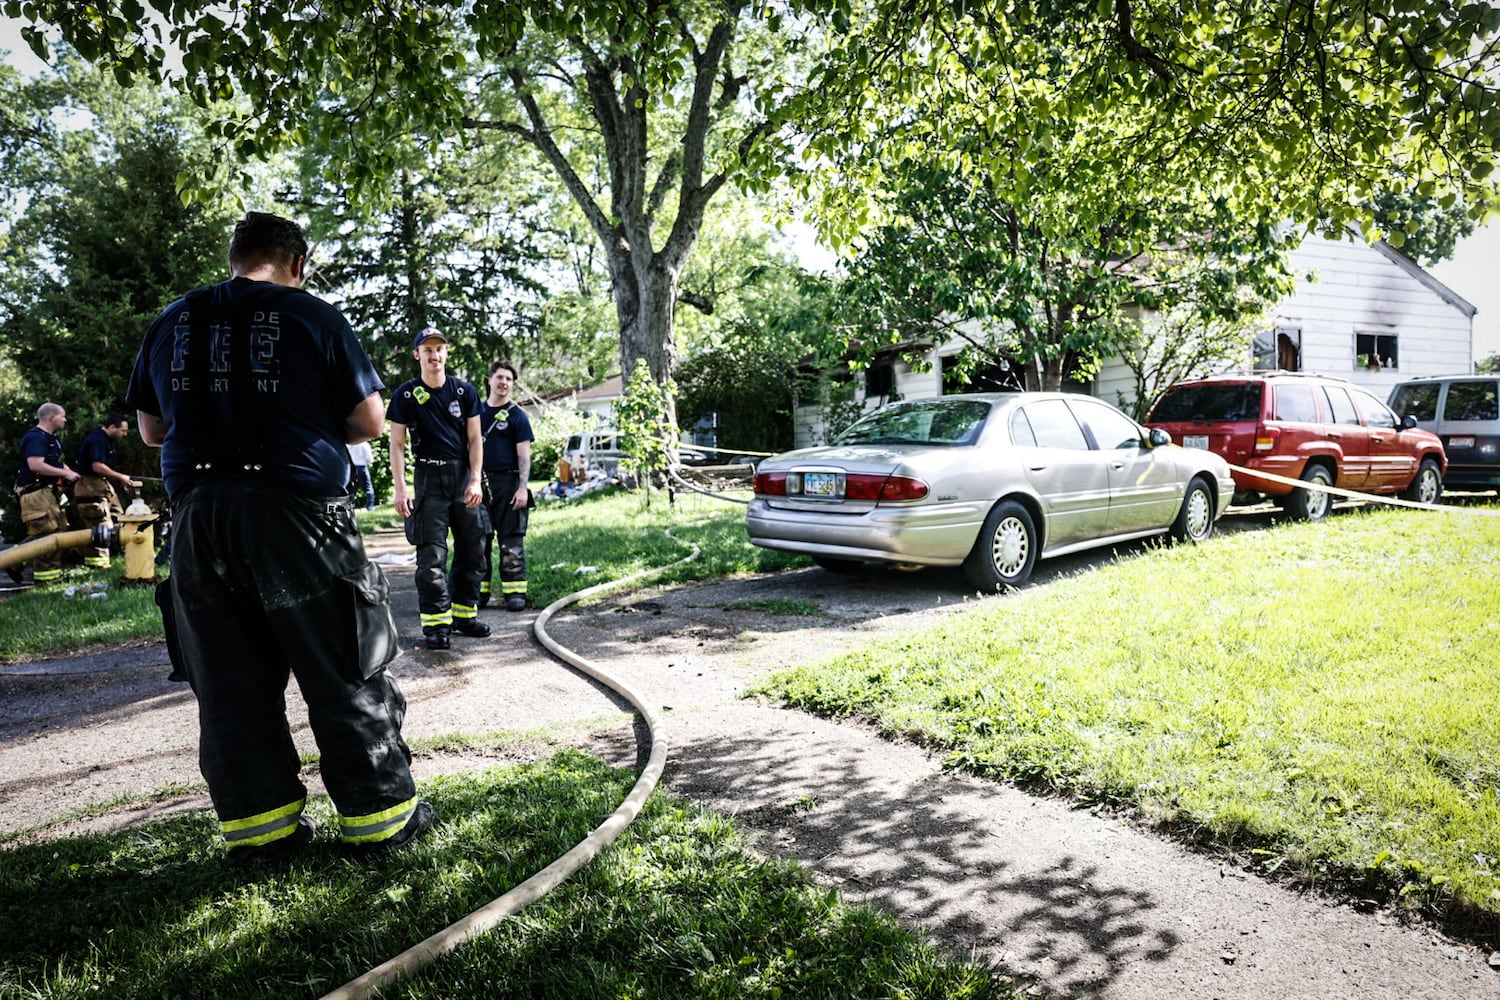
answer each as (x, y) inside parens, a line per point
(488, 916)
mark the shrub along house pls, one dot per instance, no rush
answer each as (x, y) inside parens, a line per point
(1352, 301)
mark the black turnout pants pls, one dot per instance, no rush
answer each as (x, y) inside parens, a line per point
(267, 584)
(508, 526)
(443, 596)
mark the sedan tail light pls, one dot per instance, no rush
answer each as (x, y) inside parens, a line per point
(771, 484)
(863, 486)
(902, 488)
(875, 487)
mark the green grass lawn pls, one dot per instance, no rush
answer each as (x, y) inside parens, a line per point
(1323, 697)
(46, 620)
(677, 908)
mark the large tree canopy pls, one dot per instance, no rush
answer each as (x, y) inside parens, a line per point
(644, 112)
(1290, 109)
(1050, 299)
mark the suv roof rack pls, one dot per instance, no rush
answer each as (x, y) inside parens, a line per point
(1271, 373)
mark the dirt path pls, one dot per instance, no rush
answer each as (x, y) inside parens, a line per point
(1072, 903)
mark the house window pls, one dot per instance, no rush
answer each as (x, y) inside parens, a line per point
(880, 379)
(1371, 349)
(1280, 348)
(961, 373)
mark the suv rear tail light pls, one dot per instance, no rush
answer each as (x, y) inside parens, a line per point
(1265, 439)
(771, 484)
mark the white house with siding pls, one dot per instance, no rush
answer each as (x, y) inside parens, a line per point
(1351, 300)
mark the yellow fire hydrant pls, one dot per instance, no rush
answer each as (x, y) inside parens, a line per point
(138, 542)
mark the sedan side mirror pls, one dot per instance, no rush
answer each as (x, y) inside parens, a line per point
(1408, 422)
(1159, 437)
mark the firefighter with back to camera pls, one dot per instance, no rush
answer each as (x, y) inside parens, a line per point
(251, 388)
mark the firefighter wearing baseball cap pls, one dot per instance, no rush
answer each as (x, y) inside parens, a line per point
(441, 414)
(39, 481)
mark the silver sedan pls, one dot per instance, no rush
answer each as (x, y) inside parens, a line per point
(990, 482)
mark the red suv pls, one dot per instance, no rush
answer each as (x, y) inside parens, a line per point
(1323, 431)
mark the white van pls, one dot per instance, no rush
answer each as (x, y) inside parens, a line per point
(1464, 411)
(589, 452)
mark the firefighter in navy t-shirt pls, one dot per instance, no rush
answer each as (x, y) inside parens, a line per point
(442, 413)
(94, 495)
(507, 466)
(251, 388)
(39, 482)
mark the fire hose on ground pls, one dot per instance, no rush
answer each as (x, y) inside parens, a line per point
(135, 536)
(488, 916)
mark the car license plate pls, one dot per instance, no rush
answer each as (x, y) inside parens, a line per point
(1195, 441)
(1460, 442)
(820, 484)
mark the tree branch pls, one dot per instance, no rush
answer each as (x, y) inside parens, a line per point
(1124, 19)
(702, 303)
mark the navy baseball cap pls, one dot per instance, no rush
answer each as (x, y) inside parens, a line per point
(428, 333)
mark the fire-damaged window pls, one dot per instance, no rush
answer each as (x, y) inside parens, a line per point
(1374, 348)
(1279, 348)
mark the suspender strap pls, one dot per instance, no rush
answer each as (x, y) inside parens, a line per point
(242, 395)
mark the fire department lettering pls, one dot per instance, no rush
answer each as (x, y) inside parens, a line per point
(265, 337)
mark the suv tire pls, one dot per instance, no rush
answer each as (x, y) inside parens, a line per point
(1427, 485)
(1307, 503)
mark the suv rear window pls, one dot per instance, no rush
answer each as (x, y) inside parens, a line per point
(1418, 401)
(1472, 401)
(1216, 403)
(1296, 403)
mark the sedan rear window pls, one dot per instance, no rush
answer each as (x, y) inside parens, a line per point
(931, 422)
(1208, 404)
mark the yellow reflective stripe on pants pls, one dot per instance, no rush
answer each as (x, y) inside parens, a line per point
(464, 611)
(46, 575)
(513, 586)
(376, 826)
(484, 586)
(263, 828)
(96, 562)
(441, 618)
